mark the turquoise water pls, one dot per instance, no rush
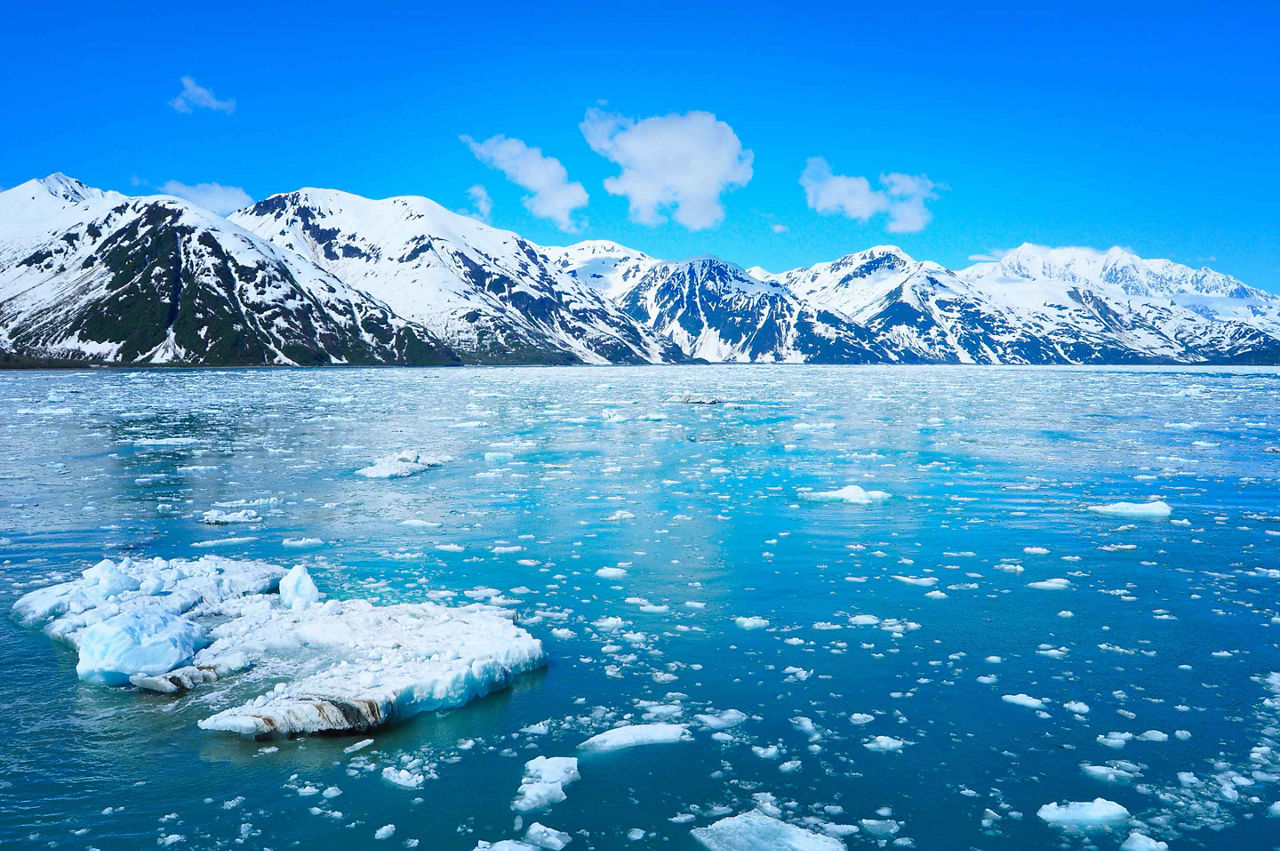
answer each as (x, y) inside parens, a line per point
(1173, 626)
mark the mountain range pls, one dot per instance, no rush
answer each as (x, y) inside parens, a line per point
(319, 276)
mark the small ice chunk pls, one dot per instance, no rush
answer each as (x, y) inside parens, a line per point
(1023, 700)
(398, 465)
(849, 494)
(1141, 842)
(751, 622)
(297, 590)
(1055, 584)
(385, 832)
(218, 517)
(544, 782)
(1096, 813)
(722, 721)
(883, 744)
(547, 838)
(403, 777)
(1156, 508)
(754, 830)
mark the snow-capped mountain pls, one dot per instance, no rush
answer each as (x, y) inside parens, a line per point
(714, 311)
(321, 276)
(92, 275)
(490, 294)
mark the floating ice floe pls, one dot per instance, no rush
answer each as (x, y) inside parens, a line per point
(695, 399)
(1141, 842)
(1055, 584)
(636, 734)
(544, 782)
(398, 465)
(169, 626)
(218, 517)
(883, 744)
(1156, 508)
(754, 830)
(849, 494)
(1085, 814)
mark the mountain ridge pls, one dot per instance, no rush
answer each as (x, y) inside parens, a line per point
(320, 276)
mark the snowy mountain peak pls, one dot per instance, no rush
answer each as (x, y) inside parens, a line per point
(68, 188)
(1115, 267)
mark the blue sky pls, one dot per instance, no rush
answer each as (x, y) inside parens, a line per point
(1153, 127)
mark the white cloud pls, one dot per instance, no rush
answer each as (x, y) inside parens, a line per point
(195, 96)
(901, 196)
(481, 201)
(776, 228)
(212, 196)
(682, 161)
(552, 195)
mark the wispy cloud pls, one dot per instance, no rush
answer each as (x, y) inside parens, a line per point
(685, 162)
(212, 196)
(902, 197)
(551, 196)
(482, 204)
(195, 96)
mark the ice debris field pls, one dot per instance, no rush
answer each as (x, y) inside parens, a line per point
(721, 608)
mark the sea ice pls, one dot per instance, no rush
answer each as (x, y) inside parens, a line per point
(547, 838)
(218, 517)
(145, 642)
(168, 625)
(1157, 508)
(544, 782)
(364, 665)
(754, 830)
(1096, 813)
(883, 744)
(297, 589)
(636, 734)
(398, 465)
(849, 494)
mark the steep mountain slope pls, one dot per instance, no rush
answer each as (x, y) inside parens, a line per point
(90, 275)
(600, 264)
(489, 293)
(1045, 306)
(320, 276)
(1154, 309)
(715, 311)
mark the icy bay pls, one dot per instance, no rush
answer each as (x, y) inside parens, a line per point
(936, 607)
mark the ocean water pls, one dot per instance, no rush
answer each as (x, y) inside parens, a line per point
(982, 575)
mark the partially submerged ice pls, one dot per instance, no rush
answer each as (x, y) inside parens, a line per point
(755, 830)
(171, 625)
(849, 494)
(1084, 814)
(398, 465)
(1154, 509)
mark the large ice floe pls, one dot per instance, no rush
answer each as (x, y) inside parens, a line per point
(755, 830)
(170, 625)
